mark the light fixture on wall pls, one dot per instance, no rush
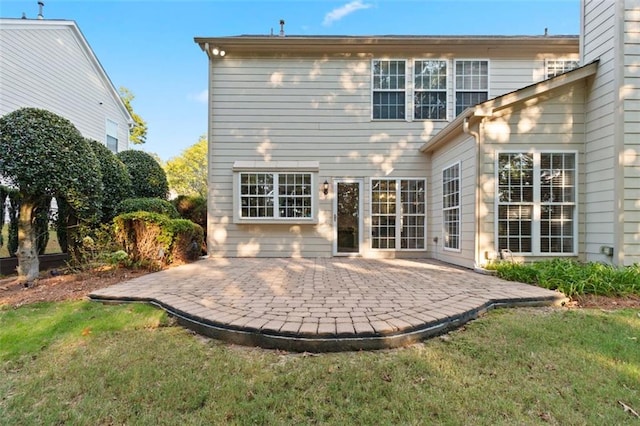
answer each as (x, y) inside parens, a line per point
(218, 52)
(325, 187)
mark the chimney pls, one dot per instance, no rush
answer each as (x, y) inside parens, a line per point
(40, 6)
(282, 28)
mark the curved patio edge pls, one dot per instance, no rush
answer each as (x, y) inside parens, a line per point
(295, 342)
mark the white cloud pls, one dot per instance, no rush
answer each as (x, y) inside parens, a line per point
(342, 11)
(202, 97)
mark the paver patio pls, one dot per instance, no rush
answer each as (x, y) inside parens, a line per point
(324, 304)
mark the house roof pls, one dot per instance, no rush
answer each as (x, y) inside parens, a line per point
(264, 45)
(492, 106)
(27, 24)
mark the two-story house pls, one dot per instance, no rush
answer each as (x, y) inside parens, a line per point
(456, 148)
(49, 64)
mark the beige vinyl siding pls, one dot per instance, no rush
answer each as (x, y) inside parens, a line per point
(598, 37)
(631, 133)
(462, 150)
(555, 123)
(289, 108)
(46, 66)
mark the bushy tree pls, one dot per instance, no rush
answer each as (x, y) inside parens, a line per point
(115, 180)
(138, 134)
(148, 179)
(44, 155)
(187, 173)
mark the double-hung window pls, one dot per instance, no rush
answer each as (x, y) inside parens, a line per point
(471, 83)
(398, 214)
(265, 195)
(451, 207)
(430, 90)
(536, 212)
(112, 135)
(559, 66)
(388, 86)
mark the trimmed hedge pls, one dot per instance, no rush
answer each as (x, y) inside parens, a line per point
(151, 205)
(193, 208)
(157, 240)
(148, 178)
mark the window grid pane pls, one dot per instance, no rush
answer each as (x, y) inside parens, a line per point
(292, 195)
(383, 218)
(472, 83)
(412, 198)
(388, 100)
(560, 66)
(552, 192)
(451, 206)
(389, 211)
(430, 94)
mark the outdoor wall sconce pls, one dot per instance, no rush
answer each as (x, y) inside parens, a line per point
(215, 51)
(218, 52)
(325, 187)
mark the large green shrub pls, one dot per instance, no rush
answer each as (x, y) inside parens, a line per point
(157, 240)
(193, 208)
(115, 180)
(151, 205)
(148, 179)
(44, 155)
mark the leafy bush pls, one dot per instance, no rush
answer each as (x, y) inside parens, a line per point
(115, 180)
(574, 278)
(148, 179)
(193, 208)
(151, 205)
(94, 247)
(157, 240)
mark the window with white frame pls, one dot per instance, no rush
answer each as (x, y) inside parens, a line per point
(430, 90)
(388, 86)
(560, 66)
(537, 202)
(112, 135)
(471, 83)
(451, 206)
(398, 214)
(276, 195)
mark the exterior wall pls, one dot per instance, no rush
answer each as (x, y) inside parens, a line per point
(630, 95)
(602, 180)
(552, 122)
(296, 108)
(46, 65)
(462, 150)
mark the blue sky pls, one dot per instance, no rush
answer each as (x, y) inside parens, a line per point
(147, 46)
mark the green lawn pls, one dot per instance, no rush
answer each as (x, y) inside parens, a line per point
(86, 363)
(52, 245)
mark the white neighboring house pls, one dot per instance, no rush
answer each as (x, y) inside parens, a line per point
(48, 64)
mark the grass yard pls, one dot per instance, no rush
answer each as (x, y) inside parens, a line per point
(87, 363)
(52, 246)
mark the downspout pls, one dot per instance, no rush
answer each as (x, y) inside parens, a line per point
(476, 135)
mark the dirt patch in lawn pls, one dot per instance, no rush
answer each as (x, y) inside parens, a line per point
(62, 286)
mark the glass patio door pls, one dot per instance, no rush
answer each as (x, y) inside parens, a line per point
(347, 216)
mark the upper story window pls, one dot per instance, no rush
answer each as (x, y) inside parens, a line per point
(471, 83)
(389, 83)
(430, 90)
(112, 135)
(560, 66)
